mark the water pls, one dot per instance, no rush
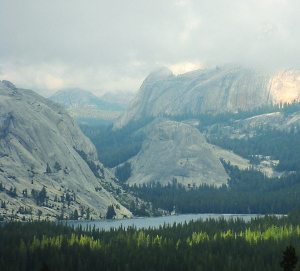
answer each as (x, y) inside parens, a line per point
(155, 222)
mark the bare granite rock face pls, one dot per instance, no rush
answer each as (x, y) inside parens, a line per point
(36, 134)
(276, 120)
(176, 150)
(228, 88)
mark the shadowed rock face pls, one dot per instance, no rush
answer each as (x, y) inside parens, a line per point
(176, 150)
(216, 90)
(34, 132)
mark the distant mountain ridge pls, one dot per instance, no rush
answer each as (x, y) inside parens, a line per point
(87, 108)
(78, 97)
(121, 98)
(227, 88)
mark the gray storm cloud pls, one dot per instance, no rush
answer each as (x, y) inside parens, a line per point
(112, 45)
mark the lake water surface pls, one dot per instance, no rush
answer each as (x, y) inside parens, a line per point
(155, 222)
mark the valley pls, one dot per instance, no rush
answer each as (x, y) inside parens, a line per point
(149, 135)
(236, 160)
(168, 166)
(87, 108)
(263, 178)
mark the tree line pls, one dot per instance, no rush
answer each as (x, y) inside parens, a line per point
(280, 145)
(248, 191)
(197, 245)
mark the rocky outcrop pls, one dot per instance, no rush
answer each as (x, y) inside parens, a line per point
(42, 146)
(228, 88)
(175, 150)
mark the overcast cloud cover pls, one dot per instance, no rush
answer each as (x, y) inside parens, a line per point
(101, 46)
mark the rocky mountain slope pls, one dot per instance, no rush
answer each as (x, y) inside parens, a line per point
(227, 88)
(176, 150)
(42, 147)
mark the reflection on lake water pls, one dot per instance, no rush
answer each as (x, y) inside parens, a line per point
(155, 222)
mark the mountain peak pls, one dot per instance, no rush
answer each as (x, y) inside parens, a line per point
(8, 84)
(159, 74)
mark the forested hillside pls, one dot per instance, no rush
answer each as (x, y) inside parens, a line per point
(116, 146)
(248, 190)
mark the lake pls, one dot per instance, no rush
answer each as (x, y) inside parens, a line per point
(155, 222)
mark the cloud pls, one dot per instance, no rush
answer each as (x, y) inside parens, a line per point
(112, 45)
(184, 67)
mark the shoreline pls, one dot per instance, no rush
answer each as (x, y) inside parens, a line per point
(141, 218)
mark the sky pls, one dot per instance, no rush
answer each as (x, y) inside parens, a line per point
(111, 46)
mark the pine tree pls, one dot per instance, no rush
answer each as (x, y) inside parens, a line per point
(75, 215)
(289, 259)
(110, 212)
(45, 267)
(48, 169)
(57, 166)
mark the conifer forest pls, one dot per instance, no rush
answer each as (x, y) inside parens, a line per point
(264, 243)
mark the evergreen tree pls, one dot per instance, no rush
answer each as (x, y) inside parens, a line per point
(57, 166)
(48, 169)
(45, 268)
(110, 212)
(88, 213)
(289, 259)
(75, 217)
(3, 205)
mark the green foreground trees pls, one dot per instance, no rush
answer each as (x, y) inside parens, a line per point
(289, 259)
(199, 245)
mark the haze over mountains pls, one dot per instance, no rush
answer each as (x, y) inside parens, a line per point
(41, 146)
(226, 88)
(85, 107)
(78, 97)
(122, 98)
